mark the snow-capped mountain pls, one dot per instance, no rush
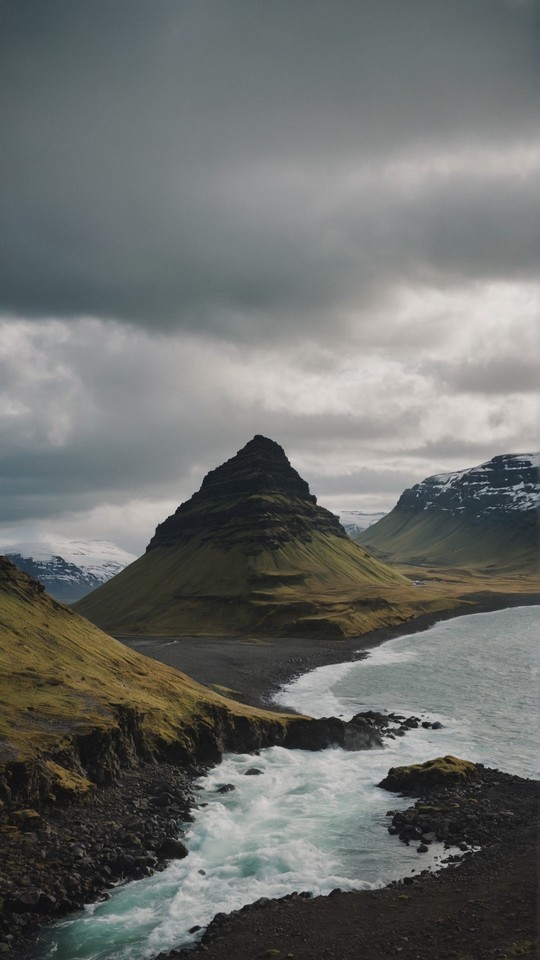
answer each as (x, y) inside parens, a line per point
(486, 516)
(505, 484)
(355, 521)
(69, 569)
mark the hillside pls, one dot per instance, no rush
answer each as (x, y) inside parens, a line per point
(251, 551)
(69, 569)
(485, 517)
(71, 693)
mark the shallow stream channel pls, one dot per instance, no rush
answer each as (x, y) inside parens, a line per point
(317, 821)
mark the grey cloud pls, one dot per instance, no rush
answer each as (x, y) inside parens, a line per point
(454, 453)
(175, 165)
(499, 375)
(387, 482)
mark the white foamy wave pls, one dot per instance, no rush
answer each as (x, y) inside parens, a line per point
(313, 694)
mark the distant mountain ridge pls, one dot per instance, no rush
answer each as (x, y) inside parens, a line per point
(506, 484)
(251, 551)
(69, 569)
(483, 516)
(356, 521)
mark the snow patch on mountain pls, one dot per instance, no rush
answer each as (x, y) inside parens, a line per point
(508, 483)
(69, 569)
(356, 521)
(97, 558)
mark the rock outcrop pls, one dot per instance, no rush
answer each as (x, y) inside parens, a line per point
(433, 774)
(507, 484)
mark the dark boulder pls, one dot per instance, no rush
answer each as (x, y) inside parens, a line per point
(172, 849)
(422, 777)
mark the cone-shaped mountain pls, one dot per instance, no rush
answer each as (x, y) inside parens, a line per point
(250, 552)
(255, 498)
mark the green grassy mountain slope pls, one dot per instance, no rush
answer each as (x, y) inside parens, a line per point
(251, 551)
(436, 538)
(484, 518)
(62, 680)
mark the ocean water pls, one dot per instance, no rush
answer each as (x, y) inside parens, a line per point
(316, 821)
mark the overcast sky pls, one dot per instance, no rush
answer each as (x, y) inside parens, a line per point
(314, 220)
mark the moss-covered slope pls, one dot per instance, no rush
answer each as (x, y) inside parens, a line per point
(251, 551)
(496, 543)
(62, 680)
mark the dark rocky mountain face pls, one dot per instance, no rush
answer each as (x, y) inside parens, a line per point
(507, 484)
(255, 496)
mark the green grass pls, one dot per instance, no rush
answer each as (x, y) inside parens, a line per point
(434, 537)
(203, 587)
(61, 676)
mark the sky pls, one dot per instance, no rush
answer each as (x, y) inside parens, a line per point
(318, 221)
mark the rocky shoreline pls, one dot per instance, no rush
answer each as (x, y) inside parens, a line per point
(481, 907)
(54, 863)
(65, 855)
(58, 858)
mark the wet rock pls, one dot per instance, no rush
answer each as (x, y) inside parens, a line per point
(226, 788)
(172, 849)
(360, 733)
(163, 800)
(421, 777)
(253, 772)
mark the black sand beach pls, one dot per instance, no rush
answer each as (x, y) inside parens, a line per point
(251, 670)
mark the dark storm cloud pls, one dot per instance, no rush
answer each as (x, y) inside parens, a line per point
(182, 164)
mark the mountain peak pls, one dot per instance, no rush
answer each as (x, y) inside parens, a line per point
(260, 467)
(250, 552)
(256, 497)
(507, 484)
(484, 516)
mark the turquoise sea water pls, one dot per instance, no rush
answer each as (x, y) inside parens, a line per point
(316, 821)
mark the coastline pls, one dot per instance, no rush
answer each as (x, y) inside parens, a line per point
(480, 907)
(484, 906)
(252, 670)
